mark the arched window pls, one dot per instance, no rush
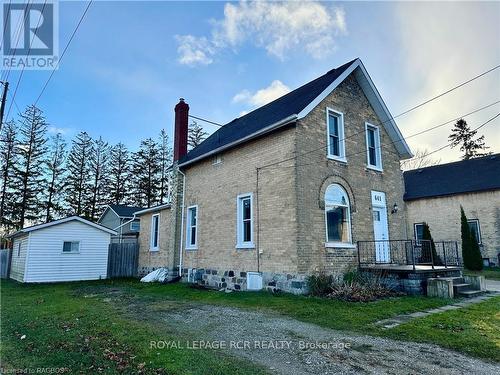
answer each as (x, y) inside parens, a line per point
(337, 215)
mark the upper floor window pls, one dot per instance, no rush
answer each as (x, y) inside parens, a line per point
(373, 148)
(475, 230)
(337, 215)
(335, 130)
(155, 233)
(245, 221)
(192, 227)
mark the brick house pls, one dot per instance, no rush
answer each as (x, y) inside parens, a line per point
(473, 184)
(283, 191)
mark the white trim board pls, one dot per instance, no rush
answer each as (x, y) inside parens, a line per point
(65, 220)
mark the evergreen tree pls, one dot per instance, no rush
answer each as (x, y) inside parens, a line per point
(8, 158)
(99, 159)
(56, 171)
(146, 170)
(119, 174)
(426, 235)
(78, 181)
(462, 135)
(470, 248)
(29, 171)
(165, 164)
(196, 135)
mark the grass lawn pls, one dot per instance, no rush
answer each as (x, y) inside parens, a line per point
(492, 273)
(85, 335)
(66, 328)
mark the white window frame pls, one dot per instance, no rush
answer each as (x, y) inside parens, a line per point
(479, 240)
(378, 148)
(415, 231)
(72, 251)
(157, 247)
(217, 159)
(19, 249)
(240, 244)
(349, 243)
(133, 223)
(341, 135)
(189, 246)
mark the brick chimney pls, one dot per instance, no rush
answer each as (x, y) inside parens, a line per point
(181, 129)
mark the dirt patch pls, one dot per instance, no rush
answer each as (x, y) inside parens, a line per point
(288, 346)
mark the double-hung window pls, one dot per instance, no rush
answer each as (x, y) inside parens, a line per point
(373, 148)
(155, 233)
(475, 230)
(245, 222)
(419, 231)
(335, 130)
(192, 228)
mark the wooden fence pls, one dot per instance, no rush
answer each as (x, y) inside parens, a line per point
(123, 260)
(5, 258)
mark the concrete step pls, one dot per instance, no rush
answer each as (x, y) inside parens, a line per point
(469, 293)
(462, 286)
(458, 280)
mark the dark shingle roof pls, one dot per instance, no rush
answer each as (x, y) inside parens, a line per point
(124, 211)
(279, 109)
(479, 174)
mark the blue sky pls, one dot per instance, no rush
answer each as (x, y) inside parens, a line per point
(131, 61)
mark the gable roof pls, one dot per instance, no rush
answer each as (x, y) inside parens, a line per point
(294, 106)
(123, 211)
(61, 221)
(466, 176)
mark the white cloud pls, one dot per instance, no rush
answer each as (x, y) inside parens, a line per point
(56, 130)
(455, 44)
(262, 96)
(278, 27)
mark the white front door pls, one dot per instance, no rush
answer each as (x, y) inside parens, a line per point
(380, 228)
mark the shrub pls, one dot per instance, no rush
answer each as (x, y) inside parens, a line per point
(470, 248)
(362, 292)
(320, 285)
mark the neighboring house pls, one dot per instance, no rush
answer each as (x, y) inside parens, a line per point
(434, 195)
(284, 191)
(69, 249)
(121, 219)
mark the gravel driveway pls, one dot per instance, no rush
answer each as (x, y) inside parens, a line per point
(288, 346)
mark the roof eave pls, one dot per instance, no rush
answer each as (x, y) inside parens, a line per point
(270, 128)
(152, 209)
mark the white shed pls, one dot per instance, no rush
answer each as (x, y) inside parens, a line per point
(68, 249)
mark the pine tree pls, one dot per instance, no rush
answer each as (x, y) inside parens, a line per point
(78, 181)
(8, 158)
(165, 163)
(99, 159)
(426, 235)
(470, 248)
(55, 171)
(462, 135)
(196, 135)
(146, 170)
(119, 174)
(29, 172)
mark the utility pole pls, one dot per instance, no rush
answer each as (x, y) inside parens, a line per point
(4, 97)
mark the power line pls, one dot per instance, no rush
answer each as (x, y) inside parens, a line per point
(205, 120)
(64, 52)
(393, 142)
(29, 51)
(391, 118)
(5, 25)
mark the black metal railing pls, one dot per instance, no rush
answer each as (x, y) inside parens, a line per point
(409, 252)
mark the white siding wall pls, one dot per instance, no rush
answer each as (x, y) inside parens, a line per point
(19, 261)
(47, 262)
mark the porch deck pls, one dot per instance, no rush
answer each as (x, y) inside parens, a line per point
(404, 268)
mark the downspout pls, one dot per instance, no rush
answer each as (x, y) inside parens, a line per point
(182, 220)
(258, 222)
(125, 223)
